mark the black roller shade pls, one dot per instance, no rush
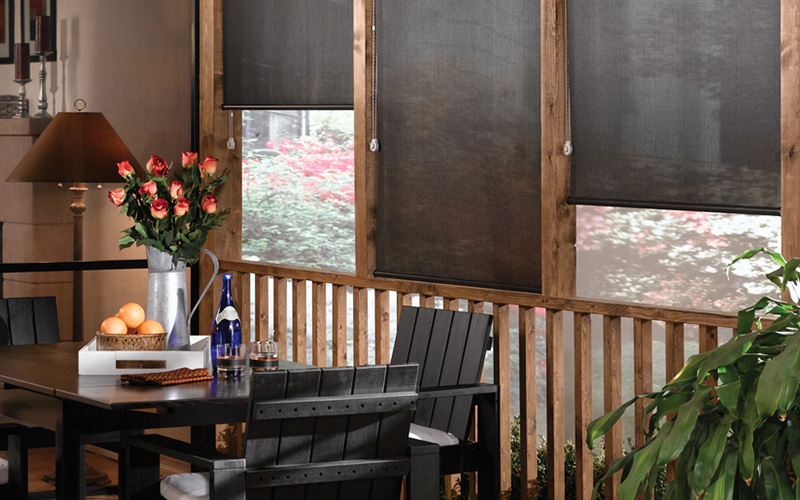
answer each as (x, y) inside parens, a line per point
(459, 165)
(288, 53)
(676, 104)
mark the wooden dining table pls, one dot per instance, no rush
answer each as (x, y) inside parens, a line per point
(41, 387)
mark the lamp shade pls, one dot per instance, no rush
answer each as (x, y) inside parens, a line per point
(75, 147)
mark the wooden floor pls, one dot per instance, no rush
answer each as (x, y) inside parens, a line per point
(41, 461)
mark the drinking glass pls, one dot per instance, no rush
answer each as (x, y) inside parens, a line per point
(264, 355)
(230, 360)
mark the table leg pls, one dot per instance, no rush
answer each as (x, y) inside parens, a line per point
(203, 436)
(70, 455)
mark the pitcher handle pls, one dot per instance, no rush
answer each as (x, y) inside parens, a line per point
(210, 282)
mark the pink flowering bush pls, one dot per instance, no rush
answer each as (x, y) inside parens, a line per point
(298, 202)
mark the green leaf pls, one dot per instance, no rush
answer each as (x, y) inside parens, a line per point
(728, 395)
(747, 425)
(722, 487)
(644, 459)
(775, 480)
(140, 229)
(710, 454)
(779, 380)
(601, 425)
(125, 242)
(615, 466)
(683, 425)
(725, 354)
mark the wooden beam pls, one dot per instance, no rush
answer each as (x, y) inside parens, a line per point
(366, 162)
(558, 217)
(790, 128)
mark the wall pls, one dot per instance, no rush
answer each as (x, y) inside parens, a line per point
(130, 60)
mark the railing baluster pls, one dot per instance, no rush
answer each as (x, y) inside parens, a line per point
(244, 306)
(262, 307)
(319, 340)
(502, 377)
(339, 325)
(450, 304)
(527, 402)
(299, 328)
(427, 301)
(360, 326)
(382, 327)
(403, 299)
(612, 381)
(554, 334)
(708, 340)
(279, 286)
(476, 306)
(642, 372)
(582, 331)
(674, 339)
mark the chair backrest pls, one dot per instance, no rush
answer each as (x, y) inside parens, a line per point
(28, 320)
(450, 347)
(309, 428)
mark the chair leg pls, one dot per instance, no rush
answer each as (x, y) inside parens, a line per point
(138, 473)
(226, 484)
(18, 466)
(489, 442)
(423, 476)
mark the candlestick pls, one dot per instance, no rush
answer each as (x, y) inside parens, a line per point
(22, 106)
(43, 42)
(42, 106)
(22, 61)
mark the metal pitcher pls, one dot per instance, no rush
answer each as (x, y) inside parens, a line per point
(167, 299)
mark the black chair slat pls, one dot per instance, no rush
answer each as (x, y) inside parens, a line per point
(421, 338)
(437, 346)
(329, 435)
(362, 430)
(393, 436)
(472, 366)
(403, 335)
(450, 372)
(20, 314)
(45, 317)
(261, 437)
(5, 329)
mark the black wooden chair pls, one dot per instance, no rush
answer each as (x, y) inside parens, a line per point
(318, 434)
(24, 321)
(450, 347)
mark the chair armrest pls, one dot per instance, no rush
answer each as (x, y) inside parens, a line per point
(461, 390)
(186, 452)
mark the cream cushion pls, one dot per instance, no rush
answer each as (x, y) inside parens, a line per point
(3, 471)
(430, 435)
(192, 486)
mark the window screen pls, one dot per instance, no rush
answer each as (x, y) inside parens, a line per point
(296, 53)
(676, 104)
(459, 165)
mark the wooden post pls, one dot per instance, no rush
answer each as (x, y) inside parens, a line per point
(790, 128)
(527, 402)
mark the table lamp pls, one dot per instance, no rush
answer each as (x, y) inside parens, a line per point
(76, 147)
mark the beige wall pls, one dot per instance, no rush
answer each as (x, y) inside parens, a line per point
(130, 60)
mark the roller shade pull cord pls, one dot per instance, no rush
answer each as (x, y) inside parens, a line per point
(568, 102)
(374, 144)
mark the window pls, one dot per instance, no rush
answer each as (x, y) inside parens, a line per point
(298, 188)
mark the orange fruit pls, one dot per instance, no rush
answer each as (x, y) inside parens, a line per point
(113, 325)
(150, 326)
(132, 314)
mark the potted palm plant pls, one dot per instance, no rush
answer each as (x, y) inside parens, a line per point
(740, 438)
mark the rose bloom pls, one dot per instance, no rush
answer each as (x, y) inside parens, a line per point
(159, 208)
(117, 196)
(124, 168)
(209, 204)
(181, 207)
(148, 189)
(209, 165)
(188, 159)
(157, 166)
(176, 189)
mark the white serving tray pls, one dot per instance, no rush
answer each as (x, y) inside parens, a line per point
(94, 362)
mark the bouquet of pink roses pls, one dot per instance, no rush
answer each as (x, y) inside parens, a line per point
(172, 215)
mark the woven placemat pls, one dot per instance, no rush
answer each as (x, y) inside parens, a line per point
(179, 376)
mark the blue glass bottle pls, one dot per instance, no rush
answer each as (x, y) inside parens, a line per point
(226, 327)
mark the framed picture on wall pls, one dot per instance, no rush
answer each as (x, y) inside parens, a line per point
(44, 29)
(6, 31)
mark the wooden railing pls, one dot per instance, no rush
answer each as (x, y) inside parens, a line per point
(272, 285)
